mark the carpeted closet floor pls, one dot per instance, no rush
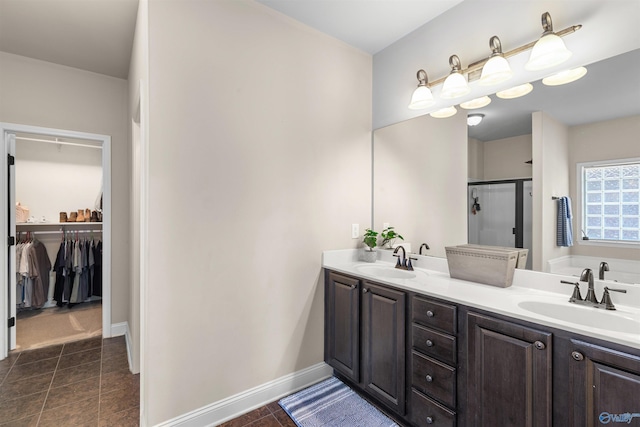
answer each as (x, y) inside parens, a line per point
(52, 326)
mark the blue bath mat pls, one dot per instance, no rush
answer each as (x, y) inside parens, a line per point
(332, 403)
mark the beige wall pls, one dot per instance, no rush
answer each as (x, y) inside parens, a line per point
(505, 158)
(550, 146)
(39, 93)
(420, 182)
(475, 167)
(609, 140)
(259, 160)
(138, 120)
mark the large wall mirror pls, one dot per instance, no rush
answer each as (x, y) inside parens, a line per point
(423, 167)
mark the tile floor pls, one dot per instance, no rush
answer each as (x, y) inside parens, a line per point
(82, 383)
(270, 415)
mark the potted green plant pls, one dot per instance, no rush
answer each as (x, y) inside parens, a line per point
(370, 241)
(389, 235)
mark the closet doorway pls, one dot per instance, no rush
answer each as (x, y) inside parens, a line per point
(33, 154)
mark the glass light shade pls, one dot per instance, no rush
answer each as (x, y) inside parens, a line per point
(476, 103)
(495, 71)
(474, 119)
(547, 52)
(515, 92)
(455, 86)
(421, 98)
(565, 77)
(444, 113)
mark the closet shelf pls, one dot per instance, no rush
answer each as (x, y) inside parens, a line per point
(50, 226)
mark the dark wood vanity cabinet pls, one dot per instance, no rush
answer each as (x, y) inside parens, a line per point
(342, 325)
(383, 344)
(365, 337)
(603, 384)
(433, 363)
(509, 373)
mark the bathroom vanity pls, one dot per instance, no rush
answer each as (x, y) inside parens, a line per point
(431, 350)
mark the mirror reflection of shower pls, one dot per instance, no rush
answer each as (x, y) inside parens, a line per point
(500, 214)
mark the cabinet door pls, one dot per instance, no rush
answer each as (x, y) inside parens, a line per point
(342, 331)
(509, 374)
(604, 386)
(383, 351)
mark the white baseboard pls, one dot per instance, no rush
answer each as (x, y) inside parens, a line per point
(119, 329)
(241, 403)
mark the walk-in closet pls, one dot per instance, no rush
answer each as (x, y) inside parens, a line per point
(56, 268)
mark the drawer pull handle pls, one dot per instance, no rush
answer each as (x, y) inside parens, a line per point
(429, 378)
(430, 313)
(540, 345)
(429, 343)
(430, 420)
(577, 356)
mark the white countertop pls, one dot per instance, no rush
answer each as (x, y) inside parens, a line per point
(432, 279)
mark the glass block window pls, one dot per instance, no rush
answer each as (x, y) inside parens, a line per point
(611, 201)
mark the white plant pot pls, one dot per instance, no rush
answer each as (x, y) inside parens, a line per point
(369, 256)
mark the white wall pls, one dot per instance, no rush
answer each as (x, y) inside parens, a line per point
(39, 93)
(53, 178)
(505, 158)
(420, 181)
(608, 140)
(259, 160)
(475, 167)
(550, 146)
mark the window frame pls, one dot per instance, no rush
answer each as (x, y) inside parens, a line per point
(580, 190)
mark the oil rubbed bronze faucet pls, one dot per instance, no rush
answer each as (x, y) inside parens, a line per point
(425, 246)
(590, 299)
(403, 263)
(603, 267)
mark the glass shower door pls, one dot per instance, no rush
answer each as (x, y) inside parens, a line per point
(495, 222)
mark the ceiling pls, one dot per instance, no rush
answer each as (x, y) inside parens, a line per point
(92, 35)
(97, 36)
(369, 25)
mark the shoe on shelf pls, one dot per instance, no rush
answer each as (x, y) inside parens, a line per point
(87, 215)
(63, 217)
(73, 216)
(94, 216)
(80, 217)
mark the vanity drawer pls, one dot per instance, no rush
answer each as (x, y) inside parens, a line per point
(424, 411)
(434, 314)
(435, 344)
(433, 378)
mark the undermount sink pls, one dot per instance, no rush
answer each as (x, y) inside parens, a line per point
(585, 316)
(386, 272)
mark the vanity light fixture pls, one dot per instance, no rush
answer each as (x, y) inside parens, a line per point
(515, 92)
(496, 69)
(549, 51)
(443, 113)
(455, 85)
(474, 119)
(483, 101)
(422, 96)
(564, 77)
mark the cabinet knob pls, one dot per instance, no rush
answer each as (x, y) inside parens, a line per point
(429, 378)
(429, 313)
(540, 345)
(429, 343)
(352, 286)
(365, 290)
(429, 420)
(577, 356)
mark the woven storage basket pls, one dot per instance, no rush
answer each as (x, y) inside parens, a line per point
(486, 266)
(22, 213)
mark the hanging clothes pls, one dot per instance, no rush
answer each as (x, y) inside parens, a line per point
(32, 267)
(76, 273)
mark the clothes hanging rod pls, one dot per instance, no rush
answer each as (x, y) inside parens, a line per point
(77, 144)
